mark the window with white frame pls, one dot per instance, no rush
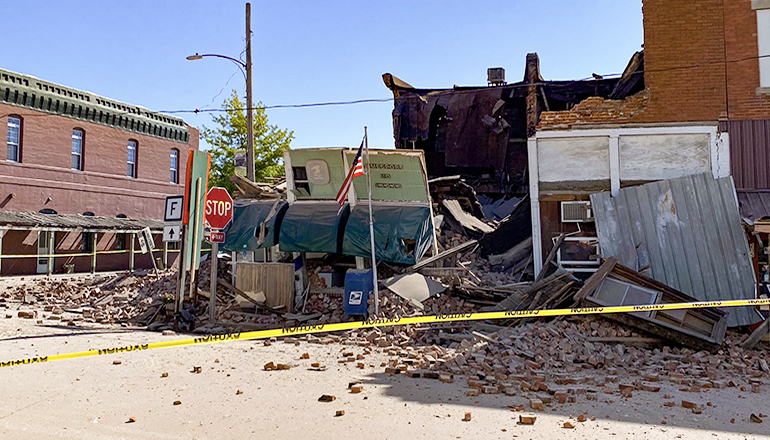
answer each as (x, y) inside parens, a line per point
(763, 40)
(174, 167)
(131, 160)
(13, 153)
(77, 149)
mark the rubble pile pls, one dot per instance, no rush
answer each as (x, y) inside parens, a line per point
(100, 299)
(392, 306)
(559, 361)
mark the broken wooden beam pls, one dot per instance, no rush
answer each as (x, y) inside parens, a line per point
(593, 282)
(443, 255)
(551, 256)
(756, 335)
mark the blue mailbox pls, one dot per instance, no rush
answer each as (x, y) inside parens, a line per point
(359, 284)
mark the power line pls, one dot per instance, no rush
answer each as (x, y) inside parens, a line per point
(416, 93)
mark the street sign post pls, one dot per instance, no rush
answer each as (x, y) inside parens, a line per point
(219, 208)
(147, 244)
(217, 237)
(172, 233)
(174, 209)
(219, 214)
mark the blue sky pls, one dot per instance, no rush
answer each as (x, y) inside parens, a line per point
(309, 51)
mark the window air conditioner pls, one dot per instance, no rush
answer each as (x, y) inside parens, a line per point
(576, 212)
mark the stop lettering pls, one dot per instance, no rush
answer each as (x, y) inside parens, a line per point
(219, 208)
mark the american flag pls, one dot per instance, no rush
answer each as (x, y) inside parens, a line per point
(356, 170)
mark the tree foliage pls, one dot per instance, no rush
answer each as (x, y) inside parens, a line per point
(229, 137)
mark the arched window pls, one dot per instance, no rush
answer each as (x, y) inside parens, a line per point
(48, 211)
(13, 153)
(88, 214)
(174, 165)
(133, 151)
(78, 146)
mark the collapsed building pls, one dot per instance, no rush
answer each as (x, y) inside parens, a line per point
(481, 133)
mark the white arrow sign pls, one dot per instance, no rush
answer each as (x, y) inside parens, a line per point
(172, 233)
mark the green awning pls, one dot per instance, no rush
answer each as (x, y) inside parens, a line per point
(243, 232)
(402, 233)
(312, 227)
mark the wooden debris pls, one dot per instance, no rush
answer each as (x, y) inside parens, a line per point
(327, 398)
(756, 335)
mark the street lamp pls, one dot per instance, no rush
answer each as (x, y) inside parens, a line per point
(249, 107)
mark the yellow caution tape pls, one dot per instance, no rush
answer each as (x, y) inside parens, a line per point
(386, 322)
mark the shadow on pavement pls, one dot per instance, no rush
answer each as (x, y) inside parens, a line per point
(643, 408)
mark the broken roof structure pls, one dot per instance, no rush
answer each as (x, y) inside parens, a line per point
(38, 221)
(481, 132)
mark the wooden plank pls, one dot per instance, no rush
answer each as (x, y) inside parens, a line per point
(593, 282)
(630, 341)
(276, 280)
(466, 220)
(761, 227)
(756, 335)
(239, 292)
(443, 255)
(551, 256)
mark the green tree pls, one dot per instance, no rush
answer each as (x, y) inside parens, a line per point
(230, 137)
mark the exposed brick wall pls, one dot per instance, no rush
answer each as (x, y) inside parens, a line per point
(44, 179)
(743, 76)
(700, 63)
(677, 34)
(596, 110)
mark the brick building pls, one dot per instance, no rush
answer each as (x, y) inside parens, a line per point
(705, 107)
(76, 154)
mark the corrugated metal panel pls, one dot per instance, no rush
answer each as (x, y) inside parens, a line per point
(750, 153)
(683, 232)
(754, 204)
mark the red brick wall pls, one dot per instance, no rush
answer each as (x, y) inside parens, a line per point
(743, 75)
(684, 33)
(102, 187)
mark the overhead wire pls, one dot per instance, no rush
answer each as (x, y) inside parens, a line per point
(434, 92)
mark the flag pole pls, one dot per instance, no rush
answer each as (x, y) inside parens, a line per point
(371, 225)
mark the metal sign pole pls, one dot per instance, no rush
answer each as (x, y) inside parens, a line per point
(213, 288)
(182, 271)
(371, 226)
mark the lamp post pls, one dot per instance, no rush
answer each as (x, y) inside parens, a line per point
(246, 68)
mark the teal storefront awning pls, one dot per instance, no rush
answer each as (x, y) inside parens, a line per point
(312, 227)
(243, 232)
(402, 232)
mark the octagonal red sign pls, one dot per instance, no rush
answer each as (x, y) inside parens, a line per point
(219, 208)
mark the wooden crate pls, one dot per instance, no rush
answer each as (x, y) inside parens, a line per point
(275, 280)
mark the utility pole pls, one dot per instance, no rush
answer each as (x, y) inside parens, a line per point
(249, 103)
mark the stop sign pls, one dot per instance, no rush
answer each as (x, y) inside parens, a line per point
(219, 208)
